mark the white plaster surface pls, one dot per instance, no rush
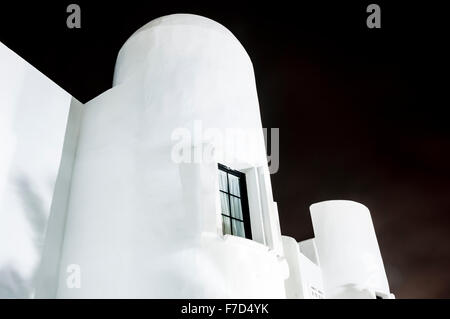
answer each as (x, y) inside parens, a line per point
(305, 277)
(33, 119)
(137, 222)
(140, 224)
(348, 250)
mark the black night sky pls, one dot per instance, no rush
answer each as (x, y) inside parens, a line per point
(358, 108)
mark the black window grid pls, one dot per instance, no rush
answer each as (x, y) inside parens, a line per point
(243, 199)
(229, 195)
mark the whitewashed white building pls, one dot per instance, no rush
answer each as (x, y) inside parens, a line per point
(159, 187)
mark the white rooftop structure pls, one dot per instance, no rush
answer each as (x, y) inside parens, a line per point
(160, 187)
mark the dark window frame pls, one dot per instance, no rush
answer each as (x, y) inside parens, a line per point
(243, 198)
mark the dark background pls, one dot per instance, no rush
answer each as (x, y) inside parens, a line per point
(359, 110)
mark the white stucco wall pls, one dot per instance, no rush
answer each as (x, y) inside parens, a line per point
(33, 118)
(305, 277)
(348, 250)
(106, 186)
(140, 224)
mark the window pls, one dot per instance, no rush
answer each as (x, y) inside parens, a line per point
(234, 203)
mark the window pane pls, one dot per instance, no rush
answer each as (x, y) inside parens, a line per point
(226, 227)
(238, 228)
(234, 185)
(223, 181)
(236, 208)
(224, 203)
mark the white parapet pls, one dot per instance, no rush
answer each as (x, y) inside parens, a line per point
(305, 277)
(348, 250)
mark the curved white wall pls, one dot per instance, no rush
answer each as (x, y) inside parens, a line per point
(140, 224)
(348, 250)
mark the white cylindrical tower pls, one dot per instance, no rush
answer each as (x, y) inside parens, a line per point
(348, 250)
(139, 222)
